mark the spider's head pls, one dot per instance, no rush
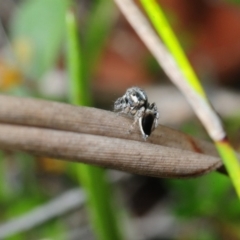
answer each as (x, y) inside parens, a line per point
(137, 97)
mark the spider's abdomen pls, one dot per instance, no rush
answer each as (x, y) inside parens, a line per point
(147, 123)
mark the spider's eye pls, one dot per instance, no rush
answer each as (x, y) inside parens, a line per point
(134, 94)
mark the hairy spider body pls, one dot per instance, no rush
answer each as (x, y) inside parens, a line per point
(135, 103)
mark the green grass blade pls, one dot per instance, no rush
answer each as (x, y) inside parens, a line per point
(79, 91)
(164, 30)
(92, 178)
(230, 161)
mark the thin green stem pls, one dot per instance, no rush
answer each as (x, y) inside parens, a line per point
(79, 92)
(229, 158)
(93, 179)
(163, 28)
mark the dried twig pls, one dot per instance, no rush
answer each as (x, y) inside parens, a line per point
(100, 137)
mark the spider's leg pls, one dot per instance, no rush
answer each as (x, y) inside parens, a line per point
(156, 120)
(125, 110)
(155, 112)
(137, 116)
(145, 136)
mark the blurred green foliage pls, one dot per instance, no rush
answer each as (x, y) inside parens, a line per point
(21, 192)
(211, 198)
(37, 30)
(203, 196)
(208, 204)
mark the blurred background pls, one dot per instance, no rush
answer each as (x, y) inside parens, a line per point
(40, 198)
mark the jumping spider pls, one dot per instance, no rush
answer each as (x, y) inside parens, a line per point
(135, 103)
